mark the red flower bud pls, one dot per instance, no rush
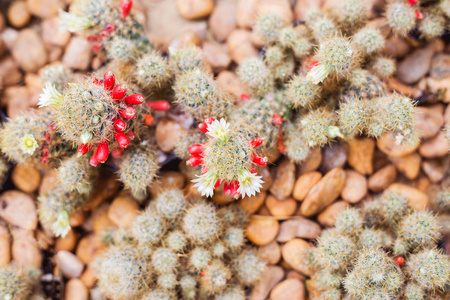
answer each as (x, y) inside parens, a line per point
(245, 97)
(122, 140)
(218, 182)
(47, 137)
(160, 105)
(208, 121)
(96, 81)
(118, 92)
(400, 260)
(130, 134)
(314, 64)
(110, 27)
(231, 188)
(128, 113)
(120, 125)
(134, 99)
(83, 149)
(104, 33)
(196, 149)
(260, 160)
(194, 161)
(203, 127)
(419, 15)
(412, 2)
(97, 48)
(256, 142)
(126, 5)
(92, 38)
(277, 119)
(148, 119)
(93, 161)
(108, 81)
(102, 152)
(117, 152)
(204, 170)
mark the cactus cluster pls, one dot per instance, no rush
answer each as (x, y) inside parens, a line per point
(180, 248)
(385, 250)
(17, 283)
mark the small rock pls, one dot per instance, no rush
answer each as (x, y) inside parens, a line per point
(28, 50)
(281, 208)
(123, 210)
(360, 155)
(408, 165)
(44, 8)
(194, 9)
(396, 46)
(293, 254)
(70, 265)
(302, 6)
(271, 276)
(396, 85)
(78, 218)
(279, 8)
(9, 71)
(18, 100)
(266, 177)
(246, 13)
(76, 290)
(304, 184)
(66, 243)
(292, 289)
(416, 199)
(440, 65)
(240, 46)
(171, 179)
(296, 275)
(312, 162)
(167, 134)
(298, 227)
(51, 33)
(323, 193)
(101, 220)
(18, 14)
(88, 277)
(106, 187)
(262, 230)
(253, 203)
(5, 246)
(26, 178)
(334, 156)
(284, 179)
(386, 143)
(270, 253)
(434, 169)
(89, 247)
(223, 19)
(217, 56)
(190, 38)
(439, 87)
(25, 250)
(355, 187)
(435, 147)
(230, 82)
(415, 65)
(428, 121)
(328, 216)
(78, 54)
(381, 179)
(18, 209)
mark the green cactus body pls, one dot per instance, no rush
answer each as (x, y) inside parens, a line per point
(187, 59)
(368, 40)
(433, 23)
(254, 74)
(215, 277)
(57, 74)
(383, 66)
(295, 145)
(247, 267)
(75, 174)
(201, 223)
(170, 204)
(149, 227)
(430, 269)
(401, 17)
(336, 250)
(319, 127)
(200, 258)
(303, 93)
(267, 26)
(234, 292)
(152, 71)
(14, 283)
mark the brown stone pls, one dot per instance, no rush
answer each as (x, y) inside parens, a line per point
(123, 210)
(271, 276)
(5, 246)
(416, 64)
(387, 144)
(28, 50)
(381, 179)
(106, 186)
(360, 155)
(78, 54)
(167, 179)
(88, 277)
(422, 183)
(355, 187)
(328, 216)
(266, 177)
(279, 8)
(293, 253)
(9, 71)
(323, 193)
(240, 46)
(434, 169)
(396, 46)
(428, 121)
(435, 147)
(246, 13)
(440, 65)
(223, 19)
(89, 247)
(217, 56)
(304, 183)
(25, 250)
(302, 6)
(270, 253)
(70, 265)
(76, 290)
(281, 208)
(18, 209)
(101, 220)
(18, 14)
(26, 178)
(284, 179)
(408, 165)
(298, 227)
(66, 243)
(262, 230)
(312, 162)
(167, 134)
(440, 87)
(48, 182)
(52, 34)
(334, 156)
(18, 100)
(194, 9)
(292, 289)
(230, 82)
(253, 203)
(44, 8)
(416, 199)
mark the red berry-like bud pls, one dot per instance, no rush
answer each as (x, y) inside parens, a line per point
(208, 121)
(196, 149)
(256, 142)
(108, 81)
(83, 149)
(128, 113)
(93, 161)
(218, 182)
(419, 15)
(110, 27)
(117, 152)
(412, 2)
(260, 160)
(104, 33)
(102, 152)
(194, 161)
(231, 188)
(134, 99)
(148, 119)
(130, 134)
(245, 97)
(97, 48)
(277, 119)
(400, 260)
(92, 38)
(203, 127)
(120, 125)
(47, 137)
(313, 64)
(96, 81)
(118, 92)
(122, 140)
(160, 105)
(126, 5)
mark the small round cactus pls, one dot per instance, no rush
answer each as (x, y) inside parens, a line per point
(200, 258)
(349, 222)
(336, 250)
(56, 75)
(321, 26)
(401, 17)
(152, 71)
(267, 26)
(164, 260)
(303, 93)
(319, 127)
(159, 294)
(75, 174)
(167, 281)
(368, 40)
(433, 23)
(149, 227)
(201, 223)
(254, 74)
(234, 292)
(248, 267)
(383, 66)
(170, 204)
(176, 241)
(215, 277)
(14, 283)
(186, 59)
(234, 237)
(187, 139)
(429, 268)
(295, 145)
